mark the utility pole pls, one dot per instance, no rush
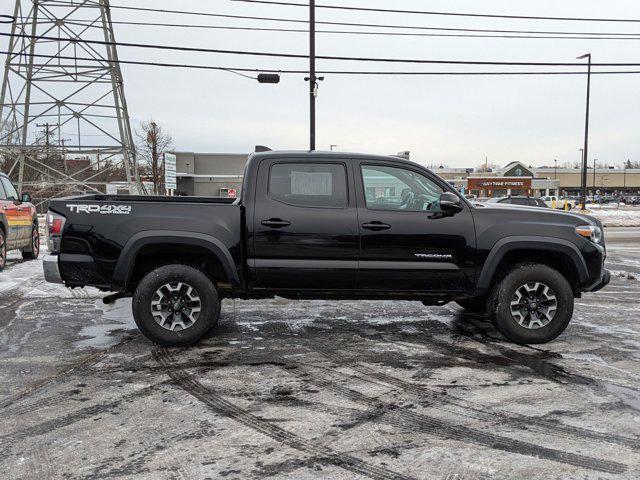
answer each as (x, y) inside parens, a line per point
(47, 141)
(313, 85)
(594, 172)
(63, 141)
(583, 189)
(585, 152)
(555, 168)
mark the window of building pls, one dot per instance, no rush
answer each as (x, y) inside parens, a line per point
(309, 185)
(392, 188)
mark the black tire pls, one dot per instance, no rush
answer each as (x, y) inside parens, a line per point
(474, 304)
(33, 250)
(3, 251)
(160, 281)
(527, 276)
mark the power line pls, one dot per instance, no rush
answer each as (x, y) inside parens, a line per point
(451, 14)
(321, 57)
(323, 72)
(352, 24)
(372, 33)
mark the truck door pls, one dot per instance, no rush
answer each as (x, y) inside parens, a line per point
(406, 242)
(12, 212)
(305, 230)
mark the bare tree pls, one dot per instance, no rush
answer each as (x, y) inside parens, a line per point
(487, 167)
(153, 142)
(631, 164)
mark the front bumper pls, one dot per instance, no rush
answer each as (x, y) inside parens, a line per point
(602, 282)
(51, 269)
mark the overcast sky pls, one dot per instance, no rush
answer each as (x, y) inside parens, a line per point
(442, 120)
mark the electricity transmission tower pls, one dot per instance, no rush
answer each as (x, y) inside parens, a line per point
(76, 89)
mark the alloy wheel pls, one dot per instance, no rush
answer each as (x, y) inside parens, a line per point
(534, 305)
(176, 306)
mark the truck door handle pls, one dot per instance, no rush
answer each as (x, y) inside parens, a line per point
(275, 223)
(376, 226)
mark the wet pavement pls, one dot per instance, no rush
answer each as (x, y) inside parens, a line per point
(317, 389)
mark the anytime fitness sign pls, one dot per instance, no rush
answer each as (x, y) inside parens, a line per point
(504, 182)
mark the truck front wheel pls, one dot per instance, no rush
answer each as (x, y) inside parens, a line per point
(175, 305)
(532, 304)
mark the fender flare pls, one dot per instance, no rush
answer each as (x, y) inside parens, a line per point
(550, 244)
(140, 240)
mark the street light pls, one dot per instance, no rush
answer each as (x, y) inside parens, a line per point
(331, 147)
(585, 152)
(555, 168)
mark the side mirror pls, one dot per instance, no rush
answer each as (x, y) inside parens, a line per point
(450, 203)
(25, 198)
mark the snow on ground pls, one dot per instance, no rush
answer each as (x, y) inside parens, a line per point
(613, 216)
(13, 275)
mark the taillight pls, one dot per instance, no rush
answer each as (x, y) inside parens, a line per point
(55, 225)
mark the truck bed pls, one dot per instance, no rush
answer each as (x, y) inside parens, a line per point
(103, 234)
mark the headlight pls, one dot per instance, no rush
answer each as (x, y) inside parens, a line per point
(589, 231)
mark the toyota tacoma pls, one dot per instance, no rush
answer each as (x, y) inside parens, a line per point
(322, 225)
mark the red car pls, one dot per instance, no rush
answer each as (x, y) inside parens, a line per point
(18, 223)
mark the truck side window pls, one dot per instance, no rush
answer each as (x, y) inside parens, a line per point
(10, 190)
(391, 188)
(309, 184)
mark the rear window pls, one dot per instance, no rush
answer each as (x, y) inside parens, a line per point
(309, 185)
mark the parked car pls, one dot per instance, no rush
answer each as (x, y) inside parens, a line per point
(519, 200)
(553, 201)
(313, 226)
(18, 223)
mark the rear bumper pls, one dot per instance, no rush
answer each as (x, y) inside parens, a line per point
(51, 269)
(602, 282)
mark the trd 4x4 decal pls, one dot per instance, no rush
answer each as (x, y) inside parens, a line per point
(101, 209)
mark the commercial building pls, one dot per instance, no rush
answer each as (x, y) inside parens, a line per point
(519, 179)
(210, 174)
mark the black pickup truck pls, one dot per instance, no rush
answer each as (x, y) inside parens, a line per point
(327, 226)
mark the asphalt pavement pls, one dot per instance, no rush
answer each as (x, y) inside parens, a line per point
(318, 389)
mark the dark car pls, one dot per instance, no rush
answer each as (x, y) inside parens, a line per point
(327, 225)
(519, 200)
(18, 223)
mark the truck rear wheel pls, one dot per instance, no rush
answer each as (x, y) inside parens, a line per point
(532, 304)
(175, 305)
